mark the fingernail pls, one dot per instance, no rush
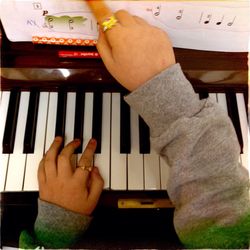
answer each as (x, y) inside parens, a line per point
(95, 170)
(58, 138)
(77, 140)
(92, 141)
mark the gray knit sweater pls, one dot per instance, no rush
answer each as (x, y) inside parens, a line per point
(207, 185)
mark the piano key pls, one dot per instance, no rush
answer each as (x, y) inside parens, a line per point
(33, 160)
(213, 97)
(97, 120)
(88, 119)
(144, 137)
(61, 113)
(165, 171)
(17, 160)
(69, 123)
(4, 158)
(246, 95)
(118, 160)
(221, 98)
(79, 118)
(152, 173)
(70, 117)
(135, 159)
(125, 135)
(51, 120)
(203, 95)
(234, 115)
(244, 127)
(30, 130)
(102, 160)
(11, 122)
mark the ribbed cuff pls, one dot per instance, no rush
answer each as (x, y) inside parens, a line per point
(56, 227)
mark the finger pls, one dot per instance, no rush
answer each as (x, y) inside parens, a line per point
(53, 151)
(50, 160)
(96, 187)
(125, 18)
(41, 173)
(64, 167)
(99, 9)
(87, 156)
(140, 20)
(102, 12)
(105, 50)
(86, 160)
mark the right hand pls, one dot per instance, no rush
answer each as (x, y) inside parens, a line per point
(133, 51)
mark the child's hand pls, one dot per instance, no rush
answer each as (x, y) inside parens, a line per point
(60, 183)
(133, 51)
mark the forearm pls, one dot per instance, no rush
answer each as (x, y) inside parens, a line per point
(55, 227)
(207, 185)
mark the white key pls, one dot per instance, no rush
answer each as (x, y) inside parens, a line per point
(152, 173)
(165, 170)
(213, 97)
(70, 123)
(135, 159)
(244, 128)
(102, 160)
(70, 117)
(51, 120)
(118, 160)
(33, 160)
(16, 166)
(222, 101)
(4, 158)
(88, 120)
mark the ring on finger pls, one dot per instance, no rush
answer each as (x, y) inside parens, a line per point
(86, 167)
(109, 23)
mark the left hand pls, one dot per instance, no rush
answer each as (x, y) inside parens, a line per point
(75, 189)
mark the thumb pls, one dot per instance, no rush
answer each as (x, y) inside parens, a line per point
(105, 50)
(95, 187)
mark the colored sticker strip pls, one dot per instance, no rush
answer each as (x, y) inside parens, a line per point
(63, 41)
(78, 54)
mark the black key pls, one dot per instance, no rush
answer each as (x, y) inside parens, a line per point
(11, 122)
(203, 95)
(30, 130)
(245, 94)
(144, 137)
(79, 119)
(61, 113)
(234, 115)
(125, 128)
(97, 120)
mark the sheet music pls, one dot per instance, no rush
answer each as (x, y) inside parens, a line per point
(203, 25)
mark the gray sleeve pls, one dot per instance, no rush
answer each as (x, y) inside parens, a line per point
(207, 185)
(56, 227)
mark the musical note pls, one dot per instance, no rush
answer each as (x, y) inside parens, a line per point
(180, 16)
(157, 12)
(70, 24)
(232, 22)
(50, 20)
(220, 22)
(208, 19)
